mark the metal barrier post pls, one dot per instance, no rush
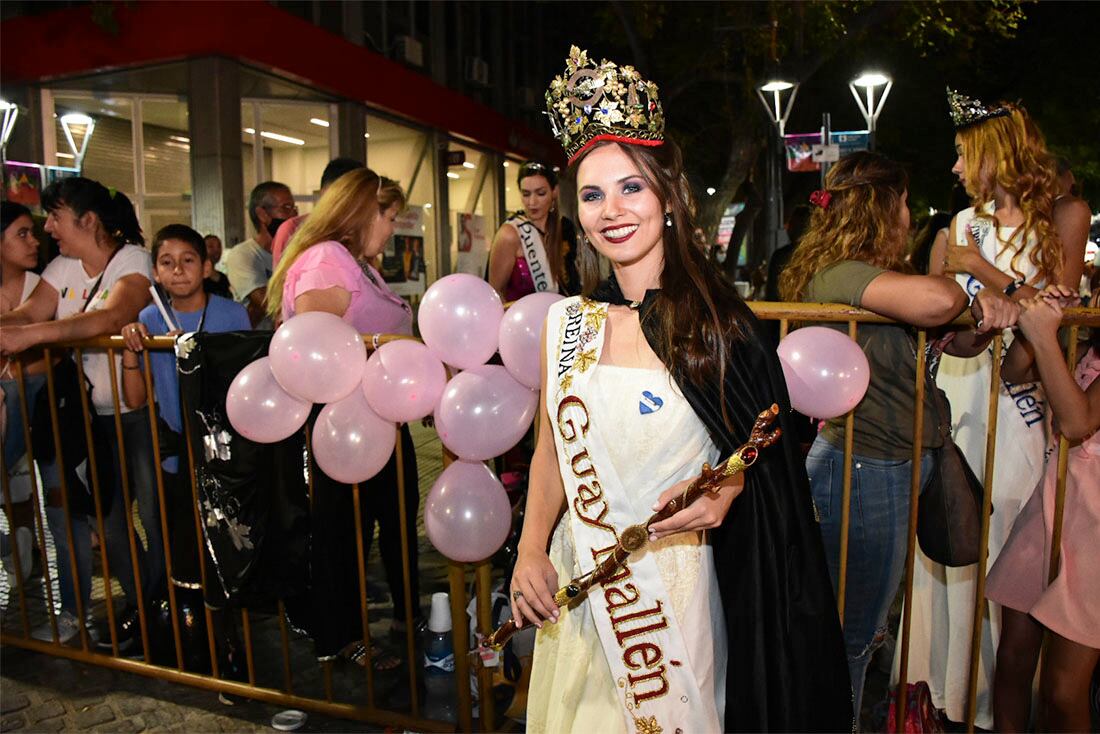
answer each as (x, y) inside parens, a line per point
(911, 542)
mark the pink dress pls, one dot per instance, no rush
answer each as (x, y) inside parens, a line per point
(374, 308)
(1070, 606)
(520, 283)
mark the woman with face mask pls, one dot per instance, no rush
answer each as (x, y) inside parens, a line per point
(326, 268)
(532, 251)
(726, 622)
(1013, 240)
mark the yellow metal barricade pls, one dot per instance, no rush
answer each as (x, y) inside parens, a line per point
(458, 575)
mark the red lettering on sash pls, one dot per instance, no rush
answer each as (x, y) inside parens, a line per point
(659, 674)
(622, 596)
(597, 521)
(577, 459)
(625, 635)
(650, 654)
(589, 494)
(565, 404)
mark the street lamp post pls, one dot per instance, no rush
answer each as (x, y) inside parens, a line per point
(11, 114)
(870, 107)
(78, 122)
(778, 112)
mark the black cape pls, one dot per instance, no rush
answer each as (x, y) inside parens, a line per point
(787, 668)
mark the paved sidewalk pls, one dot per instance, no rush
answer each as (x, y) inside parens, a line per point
(41, 693)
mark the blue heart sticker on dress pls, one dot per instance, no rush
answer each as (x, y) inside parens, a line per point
(650, 403)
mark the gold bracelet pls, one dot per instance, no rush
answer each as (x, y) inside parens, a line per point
(128, 367)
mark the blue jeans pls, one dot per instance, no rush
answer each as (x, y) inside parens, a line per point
(82, 538)
(138, 442)
(15, 446)
(877, 542)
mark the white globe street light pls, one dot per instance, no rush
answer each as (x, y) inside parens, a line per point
(777, 111)
(869, 81)
(72, 120)
(778, 114)
(11, 114)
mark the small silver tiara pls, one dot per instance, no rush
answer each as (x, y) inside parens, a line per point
(967, 111)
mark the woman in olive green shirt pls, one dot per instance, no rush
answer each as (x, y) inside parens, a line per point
(854, 253)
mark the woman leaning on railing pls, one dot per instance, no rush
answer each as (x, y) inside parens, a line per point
(99, 284)
(854, 253)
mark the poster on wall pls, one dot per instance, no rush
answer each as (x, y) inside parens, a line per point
(473, 245)
(403, 257)
(23, 184)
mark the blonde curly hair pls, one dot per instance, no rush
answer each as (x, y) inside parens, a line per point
(1009, 152)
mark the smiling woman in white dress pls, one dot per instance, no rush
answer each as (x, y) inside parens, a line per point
(727, 621)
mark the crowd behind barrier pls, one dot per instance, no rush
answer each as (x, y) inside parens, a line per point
(175, 659)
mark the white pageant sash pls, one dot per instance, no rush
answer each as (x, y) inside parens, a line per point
(641, 639)
(534, 252)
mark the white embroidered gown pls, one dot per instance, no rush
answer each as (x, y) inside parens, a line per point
(655, 440)
(943, 598)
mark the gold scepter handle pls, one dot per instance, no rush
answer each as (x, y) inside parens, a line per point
(636, 536)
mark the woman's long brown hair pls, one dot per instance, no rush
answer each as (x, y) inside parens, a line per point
(700, 315)
(552, 239)
(860, 222)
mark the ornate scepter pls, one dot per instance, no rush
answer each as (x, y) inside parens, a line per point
(635, 537)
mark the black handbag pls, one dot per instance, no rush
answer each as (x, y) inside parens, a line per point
(949, 514)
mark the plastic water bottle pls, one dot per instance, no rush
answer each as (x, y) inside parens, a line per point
(439, 662)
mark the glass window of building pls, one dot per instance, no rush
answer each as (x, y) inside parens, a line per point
(403, 153)
(137, 144)
(288, 142)
(109, 156)
(472, 195)
(166, 164)
(513, 202)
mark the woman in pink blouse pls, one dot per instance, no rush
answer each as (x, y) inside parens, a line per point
(325, 268)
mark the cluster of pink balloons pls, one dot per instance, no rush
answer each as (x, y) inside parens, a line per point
(481, 412)
(826, 371)
(315, 357)
(484, 410)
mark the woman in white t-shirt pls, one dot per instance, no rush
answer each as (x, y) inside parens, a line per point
(98, 284)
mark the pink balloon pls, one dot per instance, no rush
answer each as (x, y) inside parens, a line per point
(520, 330)
(259, 408)
(467, 515)
(318, 357)
(403, 381)
(459, 317)
(484, 412)
(826, 371)
(350, 442)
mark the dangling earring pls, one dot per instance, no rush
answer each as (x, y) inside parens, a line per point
(668, 219)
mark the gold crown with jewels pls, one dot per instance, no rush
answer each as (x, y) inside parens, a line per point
(591, 102)
(967, 111)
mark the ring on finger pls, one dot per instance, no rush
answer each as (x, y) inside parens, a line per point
(517, 594)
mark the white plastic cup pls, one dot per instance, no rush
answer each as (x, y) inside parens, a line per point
(440, 618)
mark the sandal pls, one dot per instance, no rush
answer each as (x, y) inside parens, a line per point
(381, 660)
